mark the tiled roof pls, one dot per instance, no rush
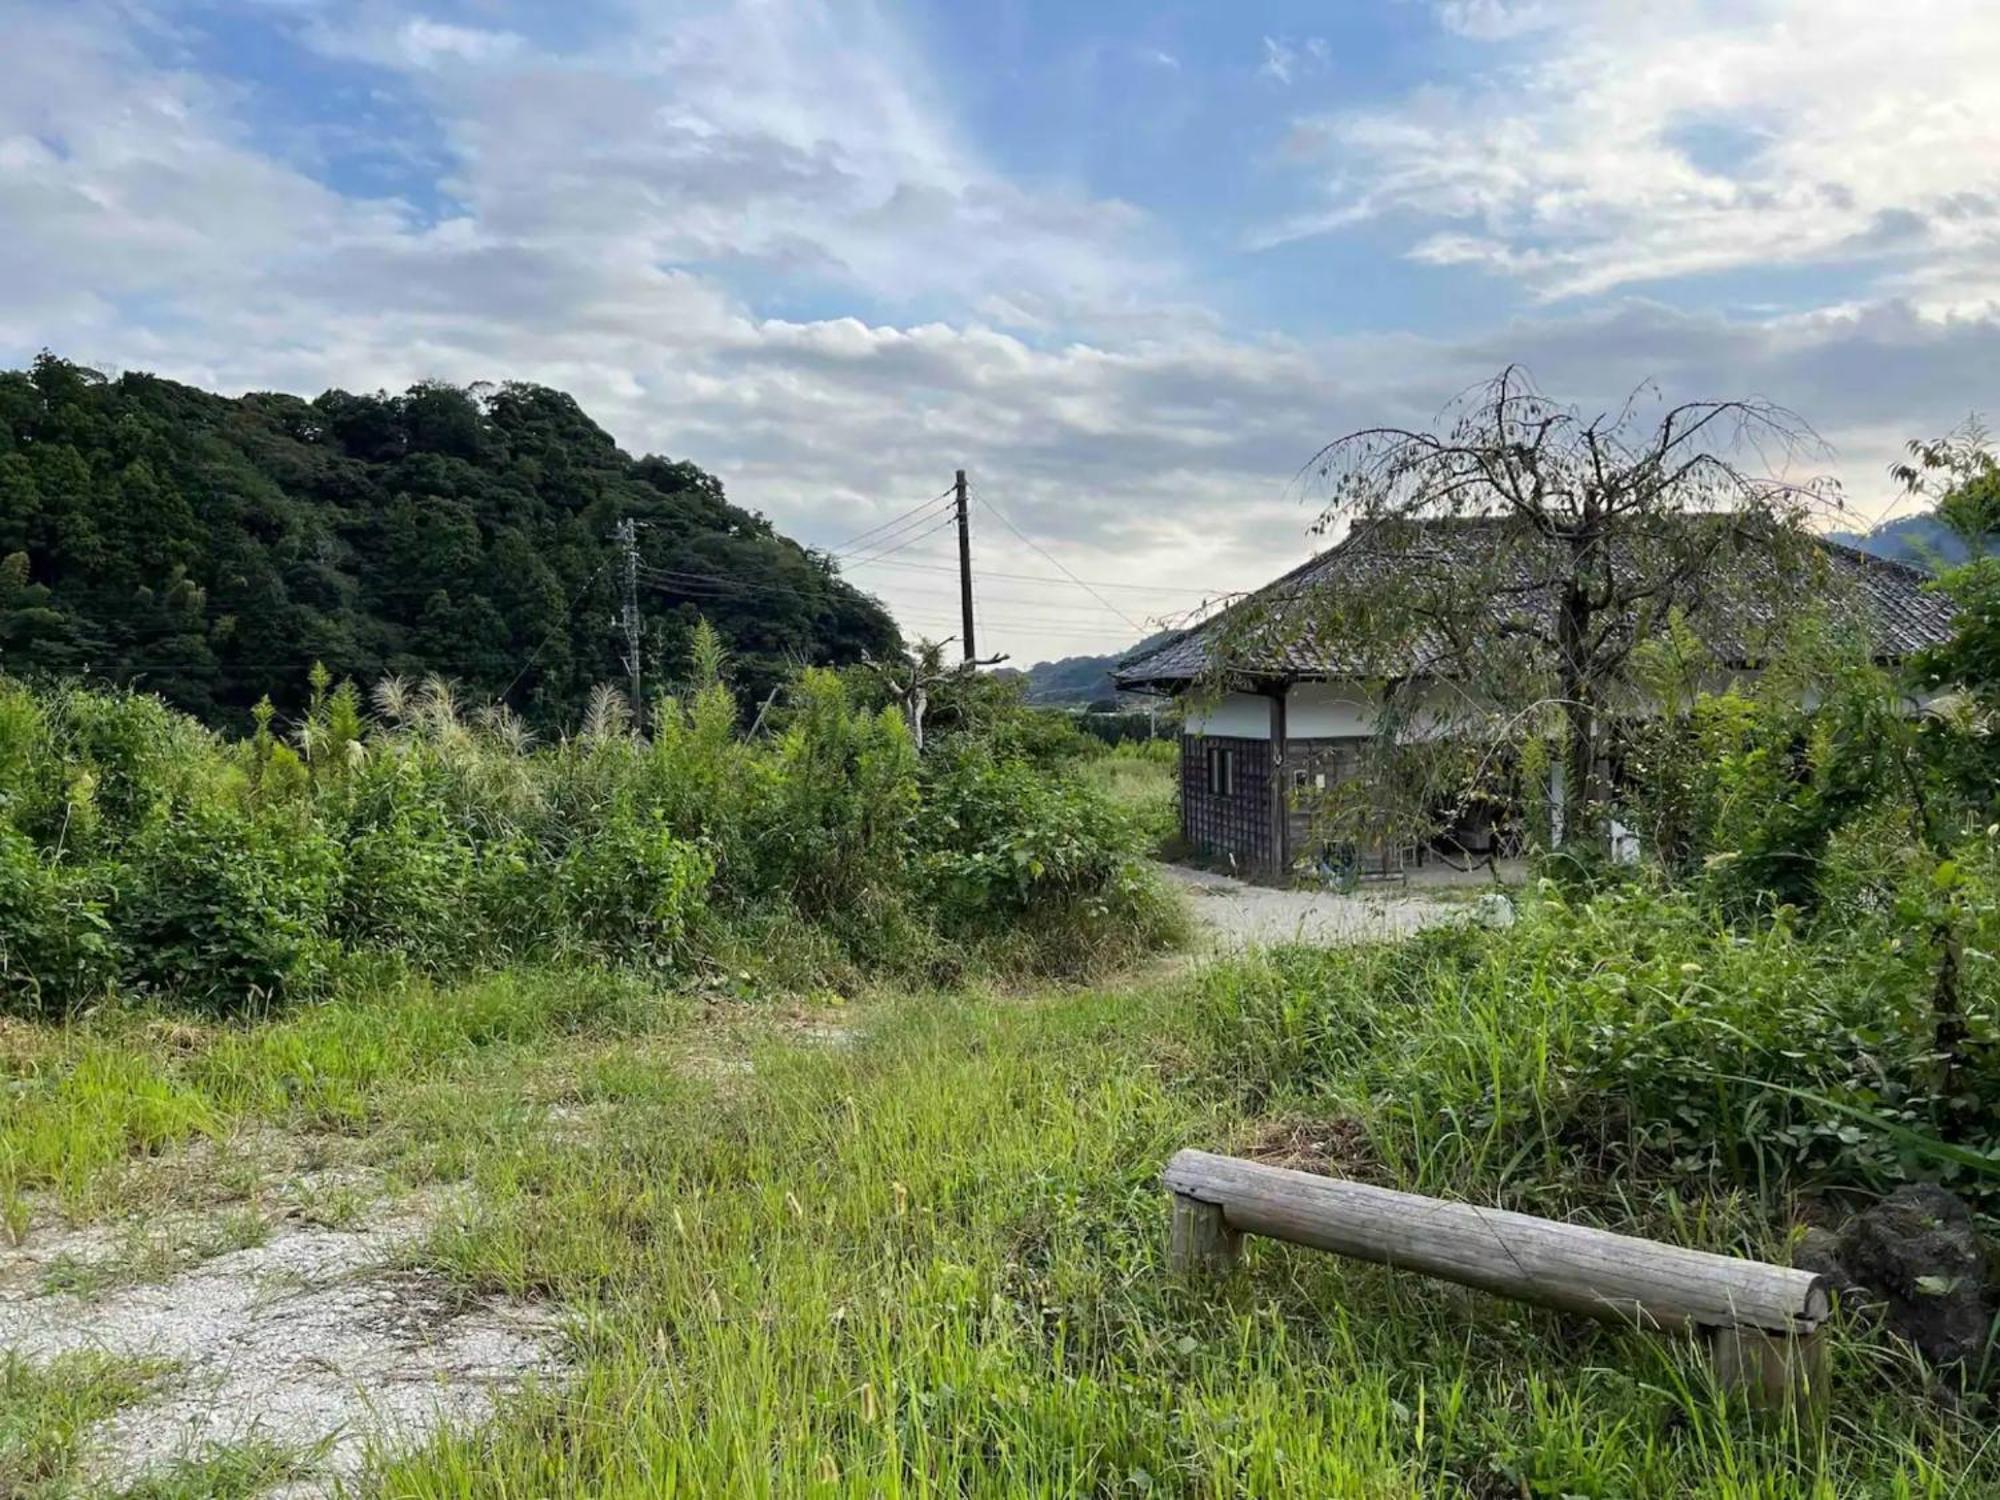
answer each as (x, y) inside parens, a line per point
(1271, 635)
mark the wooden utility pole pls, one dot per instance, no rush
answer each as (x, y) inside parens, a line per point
(964, 568)
(628, 539)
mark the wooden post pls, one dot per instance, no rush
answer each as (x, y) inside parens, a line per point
(1772, 1372)
(1762, 1321)
(1199, 1240)
(964, 565)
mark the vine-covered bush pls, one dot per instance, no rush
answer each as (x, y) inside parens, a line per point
(139, 851)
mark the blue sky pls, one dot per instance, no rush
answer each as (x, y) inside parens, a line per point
(1129, 264)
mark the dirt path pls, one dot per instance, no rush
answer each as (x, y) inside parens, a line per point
(1237, 915)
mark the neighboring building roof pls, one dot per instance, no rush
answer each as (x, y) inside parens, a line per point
(1271, 635)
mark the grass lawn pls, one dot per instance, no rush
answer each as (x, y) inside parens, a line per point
(910, 1246)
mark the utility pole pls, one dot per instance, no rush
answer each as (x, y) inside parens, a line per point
(628, 539)
(964, 568)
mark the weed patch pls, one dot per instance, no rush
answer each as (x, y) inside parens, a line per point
(47, 1410)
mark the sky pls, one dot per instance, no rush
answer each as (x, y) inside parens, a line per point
(1129, 265)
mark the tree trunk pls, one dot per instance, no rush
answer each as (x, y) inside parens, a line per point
(1583, 805)
(1583, 812)
(1949, 1033)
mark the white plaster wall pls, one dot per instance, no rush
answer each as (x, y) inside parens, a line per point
(1330, 710)
(1243, 715)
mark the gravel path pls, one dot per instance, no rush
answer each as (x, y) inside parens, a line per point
(319, 1341)
(1238, 915)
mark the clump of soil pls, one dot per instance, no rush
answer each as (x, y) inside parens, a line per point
(1918, 1261)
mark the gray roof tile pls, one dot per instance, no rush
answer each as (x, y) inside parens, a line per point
(1904, 615)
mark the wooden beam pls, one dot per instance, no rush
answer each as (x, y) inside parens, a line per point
(1615, 1277)
(1281, 823)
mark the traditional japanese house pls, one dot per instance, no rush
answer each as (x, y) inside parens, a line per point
(1276, 712)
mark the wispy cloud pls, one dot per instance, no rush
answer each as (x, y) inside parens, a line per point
(1621, 144)
(1279, 60)
(1286, 60)
(1496, 20)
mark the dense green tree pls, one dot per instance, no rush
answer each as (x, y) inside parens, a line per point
(210, 549)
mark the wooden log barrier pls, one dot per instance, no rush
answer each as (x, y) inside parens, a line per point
(1762, 1320)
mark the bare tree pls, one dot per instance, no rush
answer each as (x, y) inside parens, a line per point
(1567, 540)
(912, 678)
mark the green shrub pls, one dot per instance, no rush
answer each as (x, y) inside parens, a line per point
(834, 836)
(406, 870)
(223, 906)
(137, 845)
(56, 947)
(1010, 849)
(632, 890)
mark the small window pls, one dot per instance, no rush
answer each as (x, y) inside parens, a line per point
(1221, 771)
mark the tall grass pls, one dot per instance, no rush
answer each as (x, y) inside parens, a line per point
(1623, 1043)
(925, 1254)
(933, 1265)
(1141, 776)
(84, 1099)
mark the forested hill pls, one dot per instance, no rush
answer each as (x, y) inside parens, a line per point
(211, 549)
(1921, 539)
(1083, 679)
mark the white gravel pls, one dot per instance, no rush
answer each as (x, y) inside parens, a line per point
(315, 1341)
(1238, 915)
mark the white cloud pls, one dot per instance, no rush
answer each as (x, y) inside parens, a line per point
(426, 43)
(1495, 20)
(1285, 60)
(1617, 144)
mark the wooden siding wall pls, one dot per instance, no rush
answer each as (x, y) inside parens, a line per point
(1337, 760)
(1239, 824)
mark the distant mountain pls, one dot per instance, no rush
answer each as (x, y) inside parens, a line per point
(1081, 679)
(1923, 540)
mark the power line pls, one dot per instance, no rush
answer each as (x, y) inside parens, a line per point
(562, 622)
(1149, 588)
(688, 579)
(881, 544)
(716, 587)
(1052, 632)
(903, 546)
(1059, 564)
(894, 522)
